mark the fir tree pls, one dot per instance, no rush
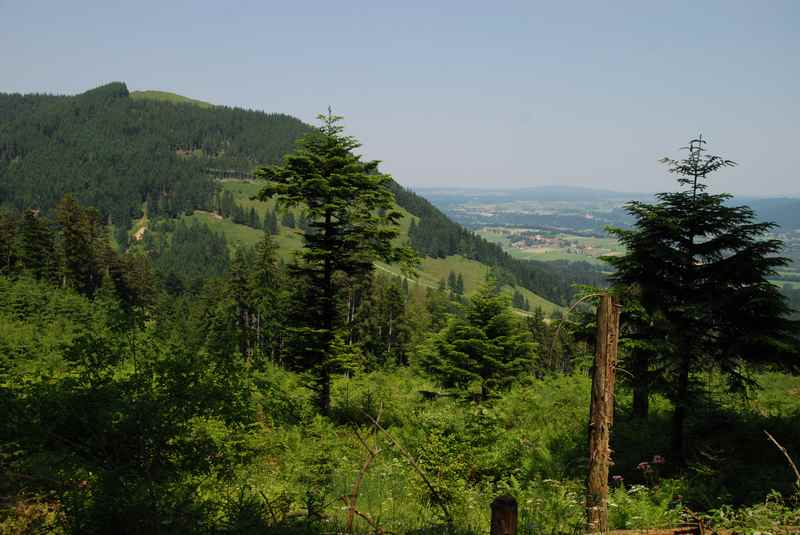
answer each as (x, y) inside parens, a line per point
(488, 347)
(702, 266)
(253, 221)
(271, 223)
(8, 243)
(459, 285)
(81, 235)
(343, 196)
(288, 219)
(451, 282)
(269, 299)
(36, 246)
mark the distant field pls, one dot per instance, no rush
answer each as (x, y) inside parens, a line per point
(591, 248)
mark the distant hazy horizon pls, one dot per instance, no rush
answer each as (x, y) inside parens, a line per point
(617, 193)
(507, 94)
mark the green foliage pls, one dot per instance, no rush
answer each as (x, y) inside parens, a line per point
(488, 347)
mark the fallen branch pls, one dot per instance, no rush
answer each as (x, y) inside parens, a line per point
(439, 500)
(372, 452)
(785, 454)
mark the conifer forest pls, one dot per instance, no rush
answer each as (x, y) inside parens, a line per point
(222, 321)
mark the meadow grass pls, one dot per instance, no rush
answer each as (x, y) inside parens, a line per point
(165, 96)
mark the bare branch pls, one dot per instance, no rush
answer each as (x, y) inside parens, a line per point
(416, 466)
(785, 454)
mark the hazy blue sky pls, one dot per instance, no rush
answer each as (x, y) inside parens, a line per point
(459, 93)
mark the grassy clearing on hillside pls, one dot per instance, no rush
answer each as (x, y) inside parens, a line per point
(244, 190)
(474, 272)
(289, 241)
(165, 96)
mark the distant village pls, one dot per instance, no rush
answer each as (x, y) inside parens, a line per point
(538, 240)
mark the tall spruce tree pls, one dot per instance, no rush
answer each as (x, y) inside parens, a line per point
(82, 245)
(36, 245)
(267, 289)
(352, 223)
(702, 266)
(8, 242)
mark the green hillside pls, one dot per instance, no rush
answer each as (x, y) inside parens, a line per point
(431, 270)
(118, 152)
(153, 155)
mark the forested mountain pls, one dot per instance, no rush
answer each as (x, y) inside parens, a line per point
(125, 154)
(114, 152)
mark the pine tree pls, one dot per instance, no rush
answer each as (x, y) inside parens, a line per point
(343, 196)
(8, 243)
(269, 299)
(288, 219)
(36, 246)
(460, 284)
(271, 223)
(702, 266)
(489, 346)
(451, 282)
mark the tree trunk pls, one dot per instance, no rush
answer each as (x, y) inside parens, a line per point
(641, 386)
(324, 399)
(681, 406)
(504, 516)
(601, 416)
(329, 310)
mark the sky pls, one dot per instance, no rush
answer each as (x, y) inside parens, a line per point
(465, 94)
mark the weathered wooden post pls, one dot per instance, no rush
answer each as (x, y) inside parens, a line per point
(601, 414)
(504, 516)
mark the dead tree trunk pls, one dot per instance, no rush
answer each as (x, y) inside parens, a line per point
(601, 414)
